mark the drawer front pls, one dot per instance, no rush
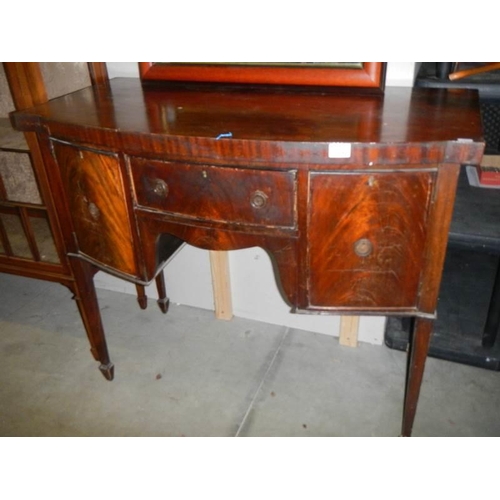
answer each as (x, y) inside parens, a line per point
(93, 185)
(367, 235)
(223, 194)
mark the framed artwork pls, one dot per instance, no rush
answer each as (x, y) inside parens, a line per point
(369, 75)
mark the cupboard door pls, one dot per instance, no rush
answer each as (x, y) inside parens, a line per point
(367, 236)
(93, 184)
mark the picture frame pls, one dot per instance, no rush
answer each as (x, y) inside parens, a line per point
(366, 75)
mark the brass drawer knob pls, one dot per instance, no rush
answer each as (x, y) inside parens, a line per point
(259, 199)
(160, 187)
(363, 247)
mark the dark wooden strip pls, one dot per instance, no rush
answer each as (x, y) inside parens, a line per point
(30, 235)
(5, 240)
(26, 83)
(3, 192)
(40, 213)
(28, 206)
(98, 72)
(39, 270)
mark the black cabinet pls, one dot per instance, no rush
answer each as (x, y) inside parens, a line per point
(469, 302)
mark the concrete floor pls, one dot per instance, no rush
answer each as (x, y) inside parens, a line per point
(187, 374)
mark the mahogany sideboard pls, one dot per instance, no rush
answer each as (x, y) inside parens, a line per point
(350, 193)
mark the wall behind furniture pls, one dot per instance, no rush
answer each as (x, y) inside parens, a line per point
(255, 293)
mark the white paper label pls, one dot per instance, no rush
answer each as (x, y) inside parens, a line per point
(339, 150)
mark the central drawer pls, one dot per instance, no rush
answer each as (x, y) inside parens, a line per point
(222, 194)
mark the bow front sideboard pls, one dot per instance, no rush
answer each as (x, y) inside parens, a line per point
(351, 194)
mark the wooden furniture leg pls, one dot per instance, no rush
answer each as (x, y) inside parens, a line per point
(86, 299)
(142, 298)
(163, 300)
(418, 348)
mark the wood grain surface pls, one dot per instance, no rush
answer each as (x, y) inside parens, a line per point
(264, 197)
(97, 205)
(388, 213)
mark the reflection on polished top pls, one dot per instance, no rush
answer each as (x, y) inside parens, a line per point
(400, 115)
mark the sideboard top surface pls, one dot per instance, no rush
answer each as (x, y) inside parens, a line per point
(400, 116)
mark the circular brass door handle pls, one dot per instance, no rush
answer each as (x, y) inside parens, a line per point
(363, 247)
(160, 187)
(259, 199)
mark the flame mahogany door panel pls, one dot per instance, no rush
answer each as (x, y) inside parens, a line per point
(367, 235)
(97, 202)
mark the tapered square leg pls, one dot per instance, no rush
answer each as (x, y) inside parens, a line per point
(142, 298)
(163, 300)
(419, 347)
(86, 300)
